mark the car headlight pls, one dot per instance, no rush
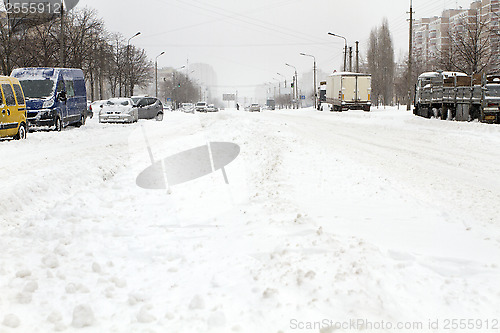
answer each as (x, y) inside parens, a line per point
(48, 103)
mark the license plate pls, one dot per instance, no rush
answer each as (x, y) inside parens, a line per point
(490, 117)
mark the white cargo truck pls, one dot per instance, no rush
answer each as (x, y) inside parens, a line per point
(348, 91)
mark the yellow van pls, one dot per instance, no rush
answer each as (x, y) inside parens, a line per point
(12, 109)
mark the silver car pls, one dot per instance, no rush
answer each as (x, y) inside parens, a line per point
(149, 107)
(254, 107)
(118, 110)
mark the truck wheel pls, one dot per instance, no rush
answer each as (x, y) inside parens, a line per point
(21, 134)
(58, 124)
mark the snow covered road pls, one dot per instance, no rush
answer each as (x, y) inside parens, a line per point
(327, 217)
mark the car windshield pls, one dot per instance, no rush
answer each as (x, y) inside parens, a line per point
(136, 100)
(38, 88)
(201, 104)
(123, 102)
(493, 90)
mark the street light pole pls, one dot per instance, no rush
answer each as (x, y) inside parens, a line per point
(129, 62)
(284, 78)
(156, 72)
(314, 71)
(345, 49)
(296, 88)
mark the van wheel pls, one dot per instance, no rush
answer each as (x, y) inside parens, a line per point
(21, 134)
(81, 122)
(159, 116)
(58, 127)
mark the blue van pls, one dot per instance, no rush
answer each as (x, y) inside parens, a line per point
(55, 97)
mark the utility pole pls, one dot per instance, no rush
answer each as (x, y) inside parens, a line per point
(350, 58)
(357, 57)
(410, 55)
(62, 46)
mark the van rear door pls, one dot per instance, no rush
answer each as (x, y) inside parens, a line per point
(349, 88)
(364, 88)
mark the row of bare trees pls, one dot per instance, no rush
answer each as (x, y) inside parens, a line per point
(180, 88)
(111, 66)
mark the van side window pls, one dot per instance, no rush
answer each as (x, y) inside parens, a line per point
(19, 94)
(70, 91)
(10, 99)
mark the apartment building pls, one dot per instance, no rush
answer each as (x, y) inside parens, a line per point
(432, 35)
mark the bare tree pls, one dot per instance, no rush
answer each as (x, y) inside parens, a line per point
(141, 69)
(33, 42)
(471, 50)
(380, 62)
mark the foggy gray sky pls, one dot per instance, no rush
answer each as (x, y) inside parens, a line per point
(247, 42)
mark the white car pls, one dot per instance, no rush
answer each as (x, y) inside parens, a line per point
(201, 106)
(212, 108)
(187, 107)
(119, 110)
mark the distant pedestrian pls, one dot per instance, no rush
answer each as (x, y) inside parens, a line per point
(237, 106)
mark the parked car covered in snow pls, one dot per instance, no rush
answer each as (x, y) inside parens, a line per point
(12, 109)
(55, 97)
(119, 110)
(149, 107)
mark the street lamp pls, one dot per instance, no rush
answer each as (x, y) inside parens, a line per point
(314, 70)
(129, 62)
(295, 85)
(156, 71)
(345, 49)
(283, 76)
